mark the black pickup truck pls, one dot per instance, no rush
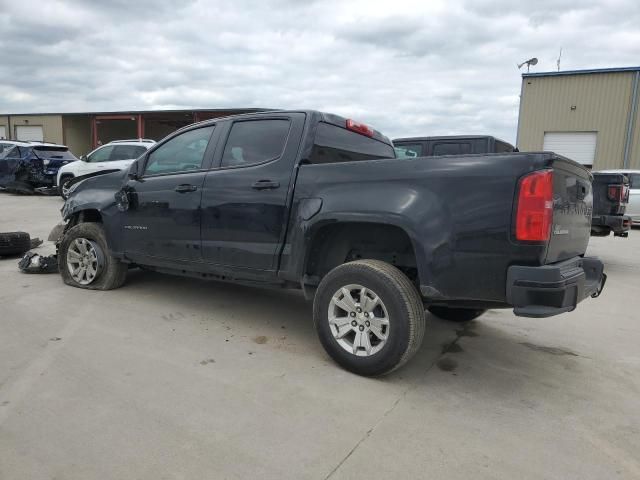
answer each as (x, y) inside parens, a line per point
(610, 198)
(309, 200)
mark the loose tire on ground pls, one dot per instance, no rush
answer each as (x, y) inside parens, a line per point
(398, 300)
(456, 314)
(111, 273)
(14, 243)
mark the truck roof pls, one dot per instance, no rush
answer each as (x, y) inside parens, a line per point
(314, 115)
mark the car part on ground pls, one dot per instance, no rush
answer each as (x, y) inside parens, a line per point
(456, 314)
(369, 317)
(33, 262)
(14, 243)
(85, 259)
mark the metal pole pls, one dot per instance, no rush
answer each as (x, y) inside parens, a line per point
(631, 120)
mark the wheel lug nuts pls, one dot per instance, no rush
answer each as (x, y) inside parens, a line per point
(366, 314)
(361, 327)
(359, 310)
(367, 323)
(353, 324)
(353, 314)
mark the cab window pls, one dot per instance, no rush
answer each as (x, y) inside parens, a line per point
(182, 153)
(255, 141)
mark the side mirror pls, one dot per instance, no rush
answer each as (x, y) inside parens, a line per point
(133, 171)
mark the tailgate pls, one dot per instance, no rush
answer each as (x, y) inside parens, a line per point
(572, 208)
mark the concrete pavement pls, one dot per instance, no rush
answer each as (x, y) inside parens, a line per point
(174, 378)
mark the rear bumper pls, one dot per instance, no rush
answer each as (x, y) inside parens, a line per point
(618, 224)
(553, 289)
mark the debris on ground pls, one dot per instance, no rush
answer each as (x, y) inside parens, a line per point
(35, 243)
(33, 262)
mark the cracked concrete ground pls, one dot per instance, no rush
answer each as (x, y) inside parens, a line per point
(171, 378)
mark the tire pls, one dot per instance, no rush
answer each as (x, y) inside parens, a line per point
(399, 302)
(456, 314)
(14, 243)
(64, 179)
(110, 273)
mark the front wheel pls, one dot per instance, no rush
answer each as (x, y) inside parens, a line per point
(456, 314)
(63, 187)
(369, 317)
(85, 260)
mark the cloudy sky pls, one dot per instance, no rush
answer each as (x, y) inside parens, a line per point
(406, 67)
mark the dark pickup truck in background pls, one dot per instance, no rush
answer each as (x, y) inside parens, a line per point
(450, 145)
(610, 198)
(309, 200)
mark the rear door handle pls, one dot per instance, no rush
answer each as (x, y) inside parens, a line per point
(265, 185)
(185, 187)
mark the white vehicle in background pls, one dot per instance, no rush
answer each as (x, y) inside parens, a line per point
(633, 207)
(115, 155)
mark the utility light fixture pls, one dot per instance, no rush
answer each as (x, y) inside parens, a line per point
(528, 63)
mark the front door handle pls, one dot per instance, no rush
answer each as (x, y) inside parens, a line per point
(185, 187)
(265, 185)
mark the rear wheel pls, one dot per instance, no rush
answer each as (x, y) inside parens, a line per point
(85, 260)
(456, 314)
(369, 317)
(63, 188)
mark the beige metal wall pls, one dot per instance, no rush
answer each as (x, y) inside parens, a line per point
(4, 122)
(77, 133)
(51, 125)
(601, 102)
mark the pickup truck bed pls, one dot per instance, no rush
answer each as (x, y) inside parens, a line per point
(309, 200)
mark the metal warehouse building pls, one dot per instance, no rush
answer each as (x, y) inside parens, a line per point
(82, 132)
(590, 116)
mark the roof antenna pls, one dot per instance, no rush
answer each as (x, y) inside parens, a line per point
(559, 58)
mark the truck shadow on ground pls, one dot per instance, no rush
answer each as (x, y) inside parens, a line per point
(503, 358)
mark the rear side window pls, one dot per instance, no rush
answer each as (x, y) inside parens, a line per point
(101, 154)
(634, 180)
(450, 148)
(54, 153)
(255, 141)
(126, 152)
(502, 147)
(408, 150)
(334, 144)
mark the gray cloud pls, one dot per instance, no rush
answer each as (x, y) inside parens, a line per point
(407, 68)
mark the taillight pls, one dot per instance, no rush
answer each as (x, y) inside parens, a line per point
(534, 213)
(618, 193)
(360, 128)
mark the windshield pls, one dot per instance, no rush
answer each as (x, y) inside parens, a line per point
(53, 153)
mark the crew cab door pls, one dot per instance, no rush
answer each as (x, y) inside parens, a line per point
(162, 223)
(245, 197)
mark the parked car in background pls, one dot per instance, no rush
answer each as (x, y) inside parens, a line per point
(450, 145)
(115, 155)
(309, 200)
(633, 207)
(610, 198)
(28, 165)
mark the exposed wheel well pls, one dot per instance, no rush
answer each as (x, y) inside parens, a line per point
(335, 244)
(83, 216)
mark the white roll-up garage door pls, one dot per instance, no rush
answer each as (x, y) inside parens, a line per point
(3, 132)
(30, 132)
(578, 146)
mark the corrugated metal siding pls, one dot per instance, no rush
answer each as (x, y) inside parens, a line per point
(602, 105)
(634, 154)
(51, 125)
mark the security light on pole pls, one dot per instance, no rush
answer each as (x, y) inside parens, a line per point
(528, 63)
